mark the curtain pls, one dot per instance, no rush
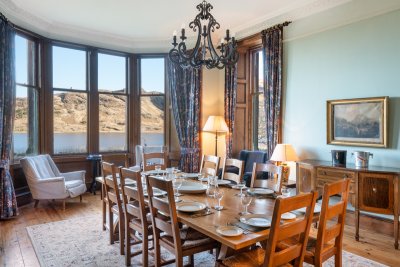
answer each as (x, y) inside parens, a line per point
(230, 104)
(8, 202)
(185, 92)
(272, 51)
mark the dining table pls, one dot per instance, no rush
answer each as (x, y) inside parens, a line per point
(208, 223)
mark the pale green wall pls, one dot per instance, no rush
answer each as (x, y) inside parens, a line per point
(358, 60)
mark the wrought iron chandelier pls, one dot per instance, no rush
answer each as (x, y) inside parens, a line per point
(204, 52)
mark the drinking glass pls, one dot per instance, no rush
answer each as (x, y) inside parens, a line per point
(285, 192)
(246, 200)
(241, 185)
(219, 194)
(177, 183)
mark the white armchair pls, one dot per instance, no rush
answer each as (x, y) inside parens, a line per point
(46, 182)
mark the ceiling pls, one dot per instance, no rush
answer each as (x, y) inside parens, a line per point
(147, 25)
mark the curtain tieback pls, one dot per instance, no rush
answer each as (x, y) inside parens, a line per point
(4, 164)
(189, 150)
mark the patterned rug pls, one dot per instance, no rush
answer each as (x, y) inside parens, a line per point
(81, 242)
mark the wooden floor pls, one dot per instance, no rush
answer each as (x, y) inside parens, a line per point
(16, 249)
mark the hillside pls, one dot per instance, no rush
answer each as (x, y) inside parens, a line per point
(70, 113)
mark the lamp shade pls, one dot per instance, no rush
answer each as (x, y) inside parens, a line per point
(215, 124)
(284, 152)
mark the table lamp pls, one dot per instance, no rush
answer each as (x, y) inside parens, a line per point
(216, 124)
(283, 153)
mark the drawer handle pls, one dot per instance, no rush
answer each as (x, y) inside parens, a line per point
(374, 189)
(345, 176)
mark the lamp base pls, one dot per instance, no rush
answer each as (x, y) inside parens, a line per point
(285, 173)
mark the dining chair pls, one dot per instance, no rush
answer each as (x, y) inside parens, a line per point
(149, 159)
(209, 165)
(329, 237)
(179, 240)
(137, 220)
(298, 230)
(274, 180)
(114, 204)
(235, 168)
(117, 159)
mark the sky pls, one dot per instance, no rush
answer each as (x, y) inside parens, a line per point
(69, 70)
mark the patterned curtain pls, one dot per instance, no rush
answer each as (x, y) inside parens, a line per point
(230, 104)
(185, 91)
(8, 201)
(272, 51)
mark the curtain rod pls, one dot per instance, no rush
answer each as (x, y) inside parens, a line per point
(275, 27)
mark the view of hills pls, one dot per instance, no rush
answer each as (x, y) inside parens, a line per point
(70, 113)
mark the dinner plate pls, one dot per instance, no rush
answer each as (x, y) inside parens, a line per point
(229, 231)
(189, 175)
(190, 206)
(258, 220)
(317, 209)
(156, 192)
(155, 172)
(223, 182)
(288, 216)
(260, 191)
(192, 187)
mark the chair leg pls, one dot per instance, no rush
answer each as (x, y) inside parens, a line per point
(104, 213)
(64, 205)
(191, 260)
(338, 259)
(111, 225)
(36, 203)
(80, 198)
(121, 234)
(127, 245)
(145, 250)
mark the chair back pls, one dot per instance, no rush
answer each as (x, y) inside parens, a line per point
(251, 157)
(233, 164)
(163, 211)
(274, 181)
(209, 165)
(132, 195)
(117, 159)
(111, 185)
(327, 233)
(150, 160)
(298, 230)
(39, 167)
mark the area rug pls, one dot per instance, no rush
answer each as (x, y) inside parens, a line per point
(81, 242)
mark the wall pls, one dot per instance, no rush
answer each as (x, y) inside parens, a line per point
(361, 59)
(212, 103)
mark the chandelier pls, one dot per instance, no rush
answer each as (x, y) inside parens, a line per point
(204, 52)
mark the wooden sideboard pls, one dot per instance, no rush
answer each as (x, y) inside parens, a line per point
(374, 189)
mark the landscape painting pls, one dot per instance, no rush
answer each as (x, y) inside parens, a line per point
(360, 122)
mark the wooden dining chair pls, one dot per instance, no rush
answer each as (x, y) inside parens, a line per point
(209, 165)
(274, 180)
(150, 158)
(233, 165)
(297, 230)
(181, 241)
(114, 204)
(137, 220)
(330, 237)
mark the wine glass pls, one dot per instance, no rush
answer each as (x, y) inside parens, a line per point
(157, 168)
(285, 192)
(246, 200)
(177, 183)
(219, 194)
(241, 185)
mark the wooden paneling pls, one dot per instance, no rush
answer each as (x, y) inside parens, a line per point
(241, 92)
(239, 134)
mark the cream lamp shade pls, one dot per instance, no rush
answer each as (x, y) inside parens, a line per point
(284, 152)
(215, 124)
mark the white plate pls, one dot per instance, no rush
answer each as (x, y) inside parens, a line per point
(317, 209)
(205, 179)
(155, 172)
(223, 182)
(189, 175)
(156, 192)
(288, 216)
(258, 220)
(229, 231)
(238, 186)
(190, 206)
(260, 191)
(192, 187)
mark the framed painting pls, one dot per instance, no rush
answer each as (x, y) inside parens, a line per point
(357, 122)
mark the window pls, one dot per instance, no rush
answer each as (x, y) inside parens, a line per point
(112, 102)
(70, 100)
(259, 126)
(26, 123)
(152, 101)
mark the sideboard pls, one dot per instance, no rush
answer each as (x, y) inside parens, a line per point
(373, 189)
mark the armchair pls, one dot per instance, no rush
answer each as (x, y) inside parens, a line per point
(45, 181)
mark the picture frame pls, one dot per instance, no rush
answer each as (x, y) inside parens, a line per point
(358, 121)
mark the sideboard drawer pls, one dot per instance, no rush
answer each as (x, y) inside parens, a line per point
(329, 174)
